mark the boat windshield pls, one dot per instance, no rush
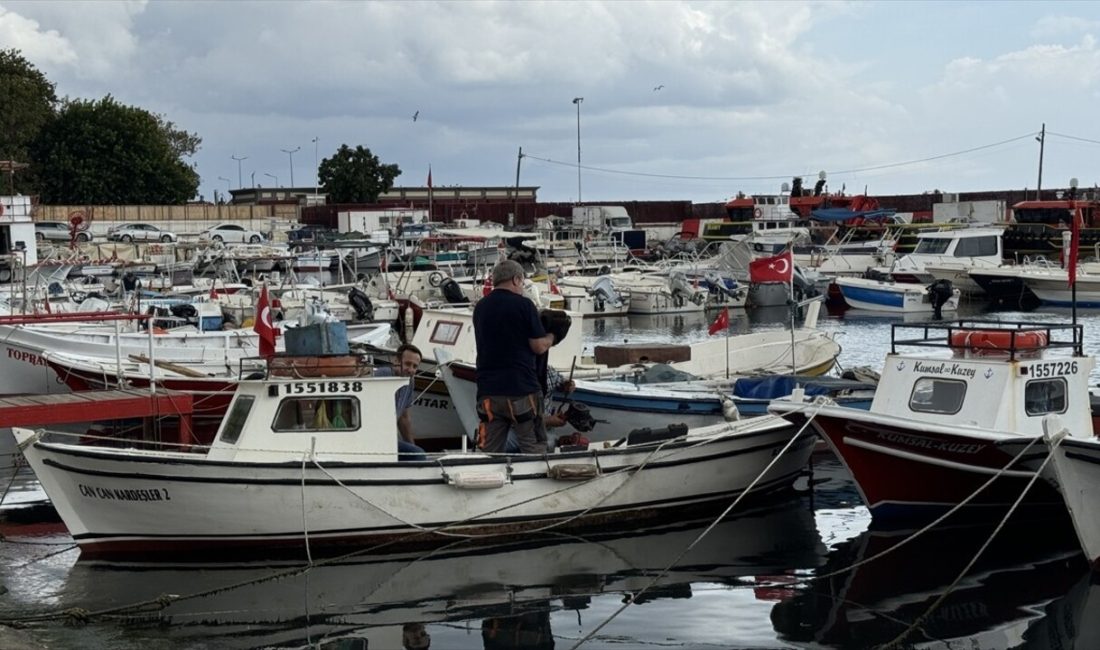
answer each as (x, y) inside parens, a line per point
(929, 246)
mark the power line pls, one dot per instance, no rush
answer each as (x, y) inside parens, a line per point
(786, 176)
(1073, 137)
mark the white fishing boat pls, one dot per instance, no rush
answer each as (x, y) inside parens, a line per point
(1076, 465)
(895, 297)
(593, 296)
(942, 413)
(957, 248)
(301, 462)
(448, 334)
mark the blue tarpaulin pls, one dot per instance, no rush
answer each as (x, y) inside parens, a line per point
(775, 386)
(844, 214)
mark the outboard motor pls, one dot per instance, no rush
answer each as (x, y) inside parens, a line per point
(603, 290)
(939, 292)
(452, 292)
(803, 287)
(719, 285)
(185, 312)
(360, 302)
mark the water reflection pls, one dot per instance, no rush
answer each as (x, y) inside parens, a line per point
(508, 590)
(1000, 601)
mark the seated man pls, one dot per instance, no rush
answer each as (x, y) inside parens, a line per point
(407, 363)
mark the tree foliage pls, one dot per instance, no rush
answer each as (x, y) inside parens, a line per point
(103, 152)
(29, 103)
(356, 175)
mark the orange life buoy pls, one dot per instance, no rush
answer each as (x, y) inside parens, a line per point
(757, 213)
(998, 340)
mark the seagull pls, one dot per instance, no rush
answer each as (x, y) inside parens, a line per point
(416, 115)
(656, 88)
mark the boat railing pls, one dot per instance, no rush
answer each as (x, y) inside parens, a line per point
(313, 367)
(1013, 338)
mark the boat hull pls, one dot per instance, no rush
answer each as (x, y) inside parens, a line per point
(126, 502)
(890, 297)
(1077, 468)
(906, 470)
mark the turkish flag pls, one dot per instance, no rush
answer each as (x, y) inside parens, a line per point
(263, 325)
(1074, 244)
(772, 269)
(486, 287)
(721, 322)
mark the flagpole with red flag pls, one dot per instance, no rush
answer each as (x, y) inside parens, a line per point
(722, 322)
(263, 327)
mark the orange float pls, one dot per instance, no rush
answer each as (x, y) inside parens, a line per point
(998, 340)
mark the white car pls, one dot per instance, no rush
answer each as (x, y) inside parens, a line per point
(231, 233)
(58, 231)
(140, 232)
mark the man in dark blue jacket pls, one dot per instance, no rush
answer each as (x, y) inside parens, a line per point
(509, 335)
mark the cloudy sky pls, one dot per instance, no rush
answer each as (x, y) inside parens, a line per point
(681, 100)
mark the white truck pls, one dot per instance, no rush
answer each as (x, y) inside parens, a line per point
(370, 221)
(604, 218)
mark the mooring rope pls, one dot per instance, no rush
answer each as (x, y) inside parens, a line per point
(896, 642)
(630, 600)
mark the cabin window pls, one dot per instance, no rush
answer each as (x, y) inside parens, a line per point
(1042, 396)
(929, 246)
(932, 395)
(317, 414)
(234, 422)
(976, 247)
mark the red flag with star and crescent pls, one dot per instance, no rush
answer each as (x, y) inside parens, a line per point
(263, 325)
(772, 269)
(721, 322)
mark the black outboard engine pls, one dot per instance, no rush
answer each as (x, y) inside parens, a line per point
(452, 292)
(185, 312)
(360, 302)
(939, 292)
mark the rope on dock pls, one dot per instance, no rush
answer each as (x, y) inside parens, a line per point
(632, 598)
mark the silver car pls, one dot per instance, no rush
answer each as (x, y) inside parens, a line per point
(140, 232)
(58, 231)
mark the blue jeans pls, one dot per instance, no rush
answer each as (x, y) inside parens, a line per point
(409, 451)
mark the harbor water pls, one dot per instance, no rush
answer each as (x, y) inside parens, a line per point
(802, 569)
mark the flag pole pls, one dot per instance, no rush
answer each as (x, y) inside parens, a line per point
(725, 309)
(429, 193)
(790, 301)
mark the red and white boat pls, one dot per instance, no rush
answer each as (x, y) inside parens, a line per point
(931, 438)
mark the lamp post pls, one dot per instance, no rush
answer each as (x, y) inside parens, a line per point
(223, 178)
(240, 178)
(577, 101)
(253, 180)
(273, 177)
(291, 152)
(316, 170)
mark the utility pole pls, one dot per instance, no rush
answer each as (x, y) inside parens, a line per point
(291, 152)
(577, 101)
(1042, 143)
(240, 178)
(515, 193)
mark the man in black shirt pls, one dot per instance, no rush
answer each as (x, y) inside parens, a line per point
(509, 335)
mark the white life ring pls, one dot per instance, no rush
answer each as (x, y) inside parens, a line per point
(757, 213)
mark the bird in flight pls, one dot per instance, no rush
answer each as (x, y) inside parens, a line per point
(656, 88)
(416, 115)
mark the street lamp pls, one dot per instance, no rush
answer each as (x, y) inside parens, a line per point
(274, 177)
(223, 178)
(253, 180)
(240, 179)
(316, 170)
(577, 101)
(291, 152)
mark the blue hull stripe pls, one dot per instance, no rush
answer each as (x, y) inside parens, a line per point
(874, 296)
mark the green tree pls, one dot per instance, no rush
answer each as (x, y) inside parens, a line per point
(29, 102)
(356, 175)
(102, 152)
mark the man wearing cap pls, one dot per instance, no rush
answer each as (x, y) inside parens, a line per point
(509, 335)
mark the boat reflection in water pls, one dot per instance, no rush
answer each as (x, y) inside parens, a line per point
(1030, 589)
(505, 591)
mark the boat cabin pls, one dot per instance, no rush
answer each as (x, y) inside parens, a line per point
(962, 247)
(1000, 376)
(340, 413)
(448, 334)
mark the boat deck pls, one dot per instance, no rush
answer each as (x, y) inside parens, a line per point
(97, 405)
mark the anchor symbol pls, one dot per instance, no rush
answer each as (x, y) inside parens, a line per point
(988, 373)
(901, 366)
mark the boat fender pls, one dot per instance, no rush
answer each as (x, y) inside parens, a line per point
(573, 472)
(757, 212)
(477, 479)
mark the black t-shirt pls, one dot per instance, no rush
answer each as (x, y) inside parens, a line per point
(503, 324)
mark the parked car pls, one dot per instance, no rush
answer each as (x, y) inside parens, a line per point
(58, 231)
(129, 232)
(231, 233)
